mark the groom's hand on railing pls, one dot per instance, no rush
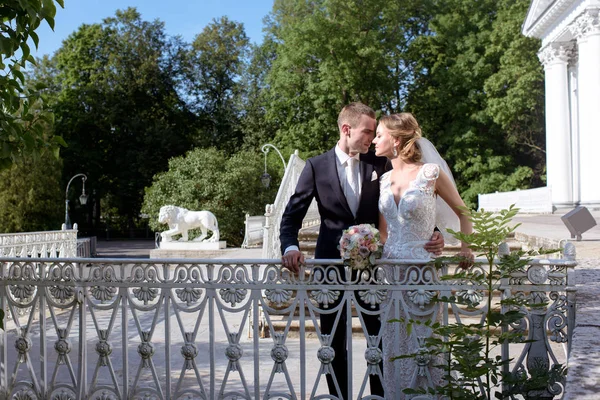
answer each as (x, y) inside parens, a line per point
(292, 260)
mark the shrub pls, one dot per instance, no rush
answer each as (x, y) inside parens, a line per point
(205, 179)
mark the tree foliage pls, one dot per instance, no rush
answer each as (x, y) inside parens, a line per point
(256, 128)
(23, 120)
(127, 97)
(477, 93)
(31, 199)
(216, 63)
(330, 53)
(515, 92)
(207, 179)
(117, 104)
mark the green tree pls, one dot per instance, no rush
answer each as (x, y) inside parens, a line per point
(22, 117)
(515, 92)
(116, 101)
(468, 82)
(31, 198)
(330, 53)
(217, 60)
(206, 179)
(256, 128)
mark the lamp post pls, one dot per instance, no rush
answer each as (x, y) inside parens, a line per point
(265, 178)
(82, 198)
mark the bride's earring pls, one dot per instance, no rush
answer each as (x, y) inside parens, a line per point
(394, 151)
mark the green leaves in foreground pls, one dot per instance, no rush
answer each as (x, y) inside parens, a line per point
(490, 230)
(23, 120)
(469, 354)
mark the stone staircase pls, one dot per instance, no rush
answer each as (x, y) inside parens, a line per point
(308, 239)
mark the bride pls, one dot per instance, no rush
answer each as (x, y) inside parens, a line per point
(417, 195)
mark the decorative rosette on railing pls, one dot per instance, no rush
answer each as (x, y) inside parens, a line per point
(360, 246)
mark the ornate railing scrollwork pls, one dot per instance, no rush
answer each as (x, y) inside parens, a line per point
(144, 329)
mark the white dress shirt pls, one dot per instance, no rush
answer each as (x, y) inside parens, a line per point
(342, 166)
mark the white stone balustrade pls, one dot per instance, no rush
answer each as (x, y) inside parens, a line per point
(274, 212)
(253, 230)
(50, 244)
(538, 200)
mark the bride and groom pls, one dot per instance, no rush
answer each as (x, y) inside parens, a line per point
(354, 186)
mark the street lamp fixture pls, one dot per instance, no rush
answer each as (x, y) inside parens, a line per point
(265, 178)
(82, 199)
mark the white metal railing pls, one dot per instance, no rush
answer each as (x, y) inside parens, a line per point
(51, 244)
(274, 212)
(175, 329)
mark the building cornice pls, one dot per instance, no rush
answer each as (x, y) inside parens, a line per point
(536, 27)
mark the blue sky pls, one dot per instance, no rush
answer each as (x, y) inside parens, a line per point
(181, 17)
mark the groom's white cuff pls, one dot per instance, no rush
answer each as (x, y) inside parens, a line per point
(290, 248)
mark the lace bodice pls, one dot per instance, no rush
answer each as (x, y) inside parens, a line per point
(410, 223)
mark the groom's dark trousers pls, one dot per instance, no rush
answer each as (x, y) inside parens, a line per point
(320, 180)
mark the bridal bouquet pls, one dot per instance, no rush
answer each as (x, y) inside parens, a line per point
(359, 246)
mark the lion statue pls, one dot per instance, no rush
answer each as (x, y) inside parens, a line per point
(181, 220)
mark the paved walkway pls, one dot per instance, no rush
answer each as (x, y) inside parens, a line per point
(549, 229)
(546, 229)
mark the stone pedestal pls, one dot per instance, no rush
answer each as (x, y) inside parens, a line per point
(189, 250)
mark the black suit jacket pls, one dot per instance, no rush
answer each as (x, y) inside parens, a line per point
(319, 179)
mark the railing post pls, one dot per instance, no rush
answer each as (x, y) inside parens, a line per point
(80, 292)
(505, 293)
(125, 337)
(210, 294)
(3, 350)
(246, 238)
(41, 293)
(167, 312)
(256, 299)
(569, 253)
(267, 231)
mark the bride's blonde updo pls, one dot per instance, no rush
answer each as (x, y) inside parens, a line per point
(404, 126)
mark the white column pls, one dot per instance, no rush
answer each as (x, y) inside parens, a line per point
(586, 28)
(555, 58)
(574, 110)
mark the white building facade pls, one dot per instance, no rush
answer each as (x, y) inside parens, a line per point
(570, 53)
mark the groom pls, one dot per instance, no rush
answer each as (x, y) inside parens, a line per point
(345, 182)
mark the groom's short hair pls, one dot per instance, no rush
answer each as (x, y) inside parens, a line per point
(351, 114)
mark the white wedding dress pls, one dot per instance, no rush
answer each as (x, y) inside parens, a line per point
(410, 224)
